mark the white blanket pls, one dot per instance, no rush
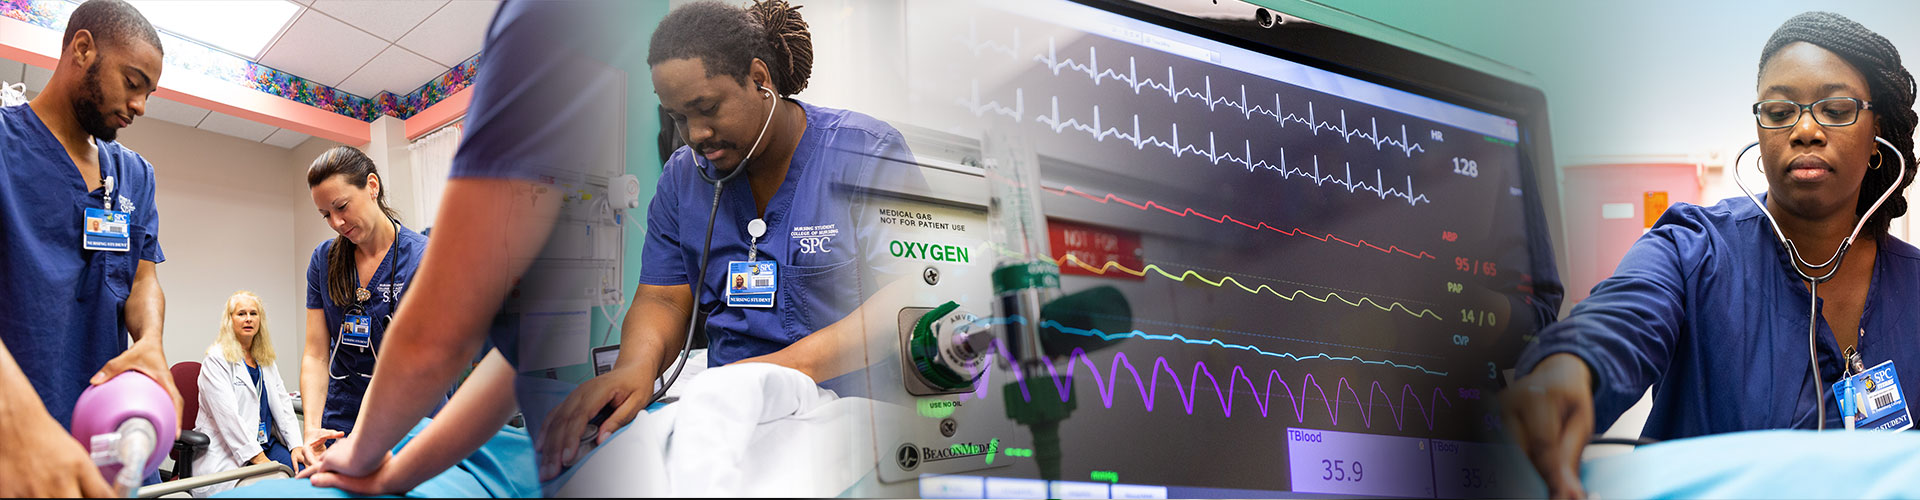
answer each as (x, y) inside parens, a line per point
(742, 430)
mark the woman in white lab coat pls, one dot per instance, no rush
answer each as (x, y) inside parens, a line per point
(244, 406)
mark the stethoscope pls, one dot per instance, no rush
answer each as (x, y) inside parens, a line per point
(700, 283)
(359, 307)
(1832, 265)
(371, 350)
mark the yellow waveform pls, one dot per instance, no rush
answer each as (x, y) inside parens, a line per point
(1222, 282)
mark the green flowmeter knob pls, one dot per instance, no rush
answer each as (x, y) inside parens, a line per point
(949, 347)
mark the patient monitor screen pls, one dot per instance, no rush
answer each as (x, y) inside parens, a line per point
(1327, 271)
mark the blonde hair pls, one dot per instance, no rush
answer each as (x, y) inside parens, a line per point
(230, 344)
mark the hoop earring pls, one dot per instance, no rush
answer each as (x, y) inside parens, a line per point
(1877, 160)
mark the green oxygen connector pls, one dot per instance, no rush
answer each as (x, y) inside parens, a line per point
(949, 347)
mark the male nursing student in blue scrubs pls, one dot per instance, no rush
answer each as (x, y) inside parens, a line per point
(1705, 307)
(354, 284)
(79, 244)
(724, 74)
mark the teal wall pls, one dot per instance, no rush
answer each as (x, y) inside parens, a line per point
(643, 161)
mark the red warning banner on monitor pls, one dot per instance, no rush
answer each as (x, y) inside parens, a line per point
(1089, 250)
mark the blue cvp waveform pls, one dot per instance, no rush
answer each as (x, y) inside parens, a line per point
(1204, 95)
(1262, 396)
(1096, 333)
(1212, 152)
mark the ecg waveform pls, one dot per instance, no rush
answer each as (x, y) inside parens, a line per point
(1212, 152)
(1222, 282)
(1137, 334)
(1190, 391)
(1203, 95)
(1223, 218)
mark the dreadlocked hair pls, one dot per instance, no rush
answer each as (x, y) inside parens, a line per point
(727, 39)
(1891, 90)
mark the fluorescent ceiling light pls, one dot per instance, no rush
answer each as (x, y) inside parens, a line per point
(242, 27)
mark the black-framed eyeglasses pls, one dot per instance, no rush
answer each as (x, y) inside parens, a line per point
(1830, 112)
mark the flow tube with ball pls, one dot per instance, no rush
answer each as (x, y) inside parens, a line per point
(1025, 279)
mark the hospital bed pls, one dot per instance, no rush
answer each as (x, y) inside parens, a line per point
(245, 475)
(1763, 464)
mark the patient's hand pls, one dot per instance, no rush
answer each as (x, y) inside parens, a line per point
(386, 478)
(627, 389)
(301, 459)
(317, 440)
(340, 460)
(1550, 412)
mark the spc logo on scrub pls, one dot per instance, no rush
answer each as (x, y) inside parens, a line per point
(814, 239)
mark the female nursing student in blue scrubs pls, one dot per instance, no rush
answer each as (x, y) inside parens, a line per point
(244, 406)
(1705, 308)
(724, 74)
(70, 301)
(354, 285)
(534, 79)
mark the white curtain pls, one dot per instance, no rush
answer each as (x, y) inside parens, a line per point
(432, 159)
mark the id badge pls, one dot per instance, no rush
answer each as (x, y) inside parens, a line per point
(752, 283)
(1875, 399)
(262, 437)
(357, 331)
(106, 230)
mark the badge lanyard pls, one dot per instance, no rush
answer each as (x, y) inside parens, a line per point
(260, 387)
(752, 282)
(104, 229)
(755, 230)
(357, 323)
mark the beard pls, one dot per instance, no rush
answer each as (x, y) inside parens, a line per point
(86, 108)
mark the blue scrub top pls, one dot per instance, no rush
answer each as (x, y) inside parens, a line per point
(349, 368)
(1706, 310)
(60, 305)
(816, 230)
(543, 65)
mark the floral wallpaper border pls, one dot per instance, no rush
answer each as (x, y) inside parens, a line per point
(192, 56)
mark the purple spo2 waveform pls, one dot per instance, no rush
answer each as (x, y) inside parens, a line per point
(1190, 391)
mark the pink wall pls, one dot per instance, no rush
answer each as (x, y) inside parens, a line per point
(1597, 238)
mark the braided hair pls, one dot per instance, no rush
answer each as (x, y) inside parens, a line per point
(1891, 90)
(727, 39)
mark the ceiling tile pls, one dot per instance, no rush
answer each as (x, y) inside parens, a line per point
(37, 78)
(286, 138)
(172, 111)
(322, 49)
(237, 127)
(304, 2)
(387, 19)
(454, 33)
(395, 70)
